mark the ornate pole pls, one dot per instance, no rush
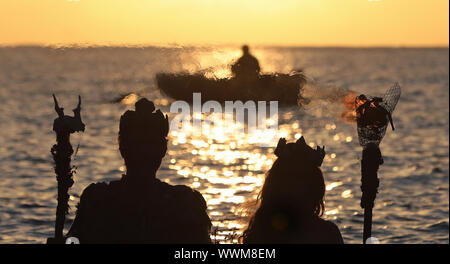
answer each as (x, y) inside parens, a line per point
(62, 152)
(371, 160)
(373, 114)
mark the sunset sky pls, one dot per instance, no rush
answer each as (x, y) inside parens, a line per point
(263, 22)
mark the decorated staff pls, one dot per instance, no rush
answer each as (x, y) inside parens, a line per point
(62, 152)
(372, 117)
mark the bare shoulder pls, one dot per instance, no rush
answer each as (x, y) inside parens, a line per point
(330, 231)
(98, 191)
(93, 188)
(190, 195)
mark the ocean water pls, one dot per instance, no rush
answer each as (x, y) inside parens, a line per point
(412, 204)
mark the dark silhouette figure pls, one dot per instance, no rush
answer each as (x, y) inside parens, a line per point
(139, 208)
(247, 66)
(291, 202)
(62, 151)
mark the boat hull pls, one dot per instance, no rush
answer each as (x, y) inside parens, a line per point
(284, 88)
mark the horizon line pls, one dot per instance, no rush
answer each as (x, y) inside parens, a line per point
(209, 45)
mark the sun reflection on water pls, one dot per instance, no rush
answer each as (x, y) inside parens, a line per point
(227, 165)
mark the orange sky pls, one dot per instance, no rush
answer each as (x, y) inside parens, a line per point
(265, 22)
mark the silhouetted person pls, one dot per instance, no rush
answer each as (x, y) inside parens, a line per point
(247, 66)
(139, 208)
(291, 202)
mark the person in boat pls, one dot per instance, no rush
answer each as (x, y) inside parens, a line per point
(291, 202)
(246, 67)
(139, 208)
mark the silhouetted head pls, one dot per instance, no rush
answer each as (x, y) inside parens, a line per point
(293, 191)
(142, 136)
(245, 49)
(295, 178)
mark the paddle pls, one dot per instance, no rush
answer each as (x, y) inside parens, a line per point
(62, 151)
(372, 117)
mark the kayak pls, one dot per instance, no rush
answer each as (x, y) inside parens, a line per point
(284, 88)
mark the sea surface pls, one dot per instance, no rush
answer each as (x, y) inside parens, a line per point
(413, 201)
